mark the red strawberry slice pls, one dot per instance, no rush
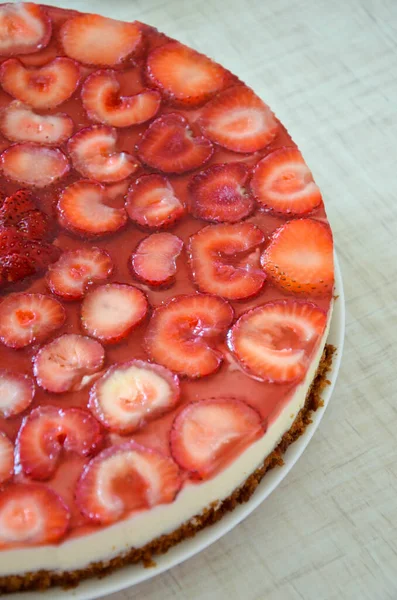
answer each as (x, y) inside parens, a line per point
(40, 254)
(184, 76)
(152, 204)
(225, 260)
(183, 334)
(154, 260)
(94, 155)
(96, 40)
(29, 318)
(76, 270)
(112, 311)
(299, 258)
(168, 145)
(274, 342)
(82, 209)
(30, 515)
(35, 225)
(126, 478)
(14, 267)
(67, 363)
(102, 101)
(129, 395)
(238, 120)
(10, 240)
(40, 87)
(208, 435)
(24, 27)
(219, 193)
(49, 430)
(6, 458)
(34, 165)
(15, 207)
(16, 393)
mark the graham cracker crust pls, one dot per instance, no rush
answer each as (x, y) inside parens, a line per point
(42, 580)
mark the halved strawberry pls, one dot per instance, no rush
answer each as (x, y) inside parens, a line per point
(35, 225)
(82, 209)
(224, 260)
(102, 101)
(47, 432)
(30, 515)
(274, 342)
(183, 334)
(154, 260)
(152, 204)
(300, 259)
(67, 363)
(129, 395)
(208, 435)
(17, 206)
(112, 311)
(219, 193)
(40, 254)
(168, 145)
(29, 318)
(14, 267)
(16, 393)
(6, 458)
(94, 155)
(24, 27)
(76, 270)
(126, 478)
(238, 120)
(34, 165)
(40, 87)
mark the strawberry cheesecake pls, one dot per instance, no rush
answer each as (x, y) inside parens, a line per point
(166, 288)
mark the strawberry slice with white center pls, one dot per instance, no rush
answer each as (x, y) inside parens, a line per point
(102, 101)
(6, 458)
(274, 342)
(68, 363)
(40, 87)
(29, 318)
(76, 270)
(169, 145)
(129, 395)
(82, 209)
(219, 194)
(34, 165)
(225, 259)
(126, 478)
(96, 40)
(154, 260)
(300, 259)
(16, 393)
(48, 432)
(112, 311)
(24, 27)
(151, 202)
(94, 155)
(208, 435)
(238, 120)
(183, 334)
(19, 123)
(31, 515)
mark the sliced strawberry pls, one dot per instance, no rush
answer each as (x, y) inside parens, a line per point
(118, 190)
(24, 27)
(10, 240)
(300, 259)
(33, 165)
(129, 395)
(29, 318)
(184, 76)
(126, 478)
(16, 393)
(112, 311)
(184, 332)
(35, 225)
(6, 458)
(208, 435)
(102, 101)
(154, 260)
(82, 209)
(219, 193)
(96, 40)
(225, 260)
(17, 206)
(274, 342)
(40, 87)
(14, 267)
(30, 515)
(76, 270)
(152, 204)
(168, 145)
(19, 123)
(66, 363)
(40, 254)
(238, 120)
(49, 430)
(94, 155)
